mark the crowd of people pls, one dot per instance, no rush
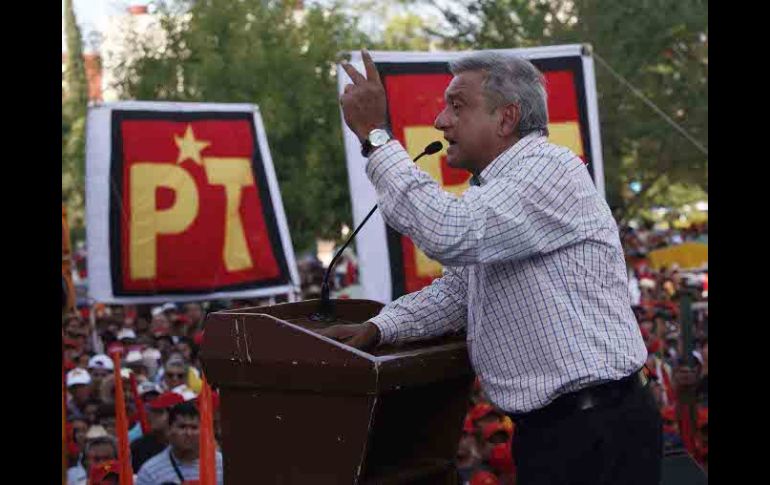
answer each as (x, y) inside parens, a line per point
(161, 372)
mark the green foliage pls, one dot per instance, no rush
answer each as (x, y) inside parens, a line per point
(264, 52)
(74, 105)
(405, 32)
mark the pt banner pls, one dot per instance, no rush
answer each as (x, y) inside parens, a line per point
(183, 204)
(390, 264)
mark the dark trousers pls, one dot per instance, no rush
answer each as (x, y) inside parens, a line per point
(618, 442)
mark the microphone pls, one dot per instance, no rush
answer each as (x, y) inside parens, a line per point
(325, 311)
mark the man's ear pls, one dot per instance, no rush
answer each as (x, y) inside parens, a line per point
(509, 121)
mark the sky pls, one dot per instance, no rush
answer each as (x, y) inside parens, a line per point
(93, 13)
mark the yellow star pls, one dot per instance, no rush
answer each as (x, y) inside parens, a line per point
(189, 147)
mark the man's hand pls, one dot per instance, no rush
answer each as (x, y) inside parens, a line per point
(363, 102)
(361, 335)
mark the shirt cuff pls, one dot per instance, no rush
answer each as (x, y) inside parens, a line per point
(390, 156)
(388, 328)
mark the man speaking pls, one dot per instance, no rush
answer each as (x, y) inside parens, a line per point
(534, 271)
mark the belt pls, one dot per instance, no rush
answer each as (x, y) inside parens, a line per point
(600, 395)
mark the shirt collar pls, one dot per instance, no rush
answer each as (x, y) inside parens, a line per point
(515, 151)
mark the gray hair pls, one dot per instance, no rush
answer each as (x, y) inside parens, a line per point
(510, 80)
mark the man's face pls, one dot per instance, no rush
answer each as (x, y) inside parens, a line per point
(158, 419)
(184, 349)
(79, 429)
(183, 433)
(163, 344)
(90, 411)
(80, 393)
(468, 124)
(174, 376)
(77, 332)
(194, 312)
(109, 424)
(467, 448)
(160, 321)
(98, 374)
(141, 325)
(100, 453)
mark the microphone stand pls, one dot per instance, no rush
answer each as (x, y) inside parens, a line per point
(325, 311)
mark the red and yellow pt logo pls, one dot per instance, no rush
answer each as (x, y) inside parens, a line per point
(193, 216)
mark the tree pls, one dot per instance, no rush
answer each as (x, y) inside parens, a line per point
(659, 46)
(283, 59)
(74, 106)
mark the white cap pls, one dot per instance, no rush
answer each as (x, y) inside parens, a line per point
(133, 357)
(100, 361)
(96, 431)
(151, 353)
(168, 306)
(647, 283)
(78, 376)
(148, 386)
(126, 373)
(185, 391)
(126, 333)
(156, 311)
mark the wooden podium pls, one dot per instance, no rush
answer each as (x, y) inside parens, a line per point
(300, 408)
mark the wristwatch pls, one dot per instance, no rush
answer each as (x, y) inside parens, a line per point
(376, 138)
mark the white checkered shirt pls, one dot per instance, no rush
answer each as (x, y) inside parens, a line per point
(533, 268)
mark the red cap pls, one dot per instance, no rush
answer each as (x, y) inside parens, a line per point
(198, 338)
(71, 343)
(492, 428)
(69, 365)
(166, 400)
(468, 425)
(668, 413)
(480, 410)
(183, 319)
(102, 470)
(703, 417)
(115, 347)
(484, 477)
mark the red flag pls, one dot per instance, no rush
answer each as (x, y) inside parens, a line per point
(207, 462)
(685, 427)
(64, 430)
(121, 426)
(140, 410)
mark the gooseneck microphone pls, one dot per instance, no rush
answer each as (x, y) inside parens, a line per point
(325, 311)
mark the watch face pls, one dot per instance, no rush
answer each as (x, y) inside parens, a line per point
(378, 137)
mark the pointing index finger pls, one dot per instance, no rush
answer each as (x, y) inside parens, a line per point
(371, 69)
